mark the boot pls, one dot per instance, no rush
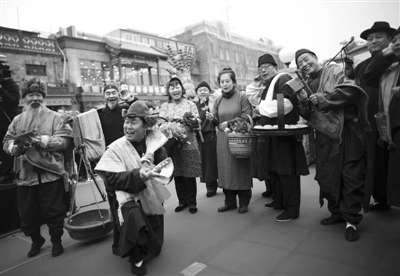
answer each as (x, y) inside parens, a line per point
(57, 248)
(37, 243)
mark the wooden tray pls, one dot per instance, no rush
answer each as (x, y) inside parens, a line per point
(278, 132)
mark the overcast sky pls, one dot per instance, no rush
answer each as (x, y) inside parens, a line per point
(317, 25)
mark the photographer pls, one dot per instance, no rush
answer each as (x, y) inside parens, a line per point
(9, 100)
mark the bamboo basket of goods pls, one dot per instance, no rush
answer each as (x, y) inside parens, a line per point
(241, 143)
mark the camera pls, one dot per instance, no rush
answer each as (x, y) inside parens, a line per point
(5, 72)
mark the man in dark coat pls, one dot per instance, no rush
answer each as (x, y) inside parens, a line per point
(9, 100)
(378, 38)
(285, 156)
(383, 72)
(341, 140)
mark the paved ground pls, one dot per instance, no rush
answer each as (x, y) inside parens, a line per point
(212, 243)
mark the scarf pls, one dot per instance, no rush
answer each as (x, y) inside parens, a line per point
(228, 94)
(122, 156)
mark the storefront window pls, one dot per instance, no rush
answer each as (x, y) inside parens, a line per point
(93, 72)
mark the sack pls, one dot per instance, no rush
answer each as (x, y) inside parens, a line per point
(48, 161)
(328, 123)
(382, 122)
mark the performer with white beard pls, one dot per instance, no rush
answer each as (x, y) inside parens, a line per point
(39, 166)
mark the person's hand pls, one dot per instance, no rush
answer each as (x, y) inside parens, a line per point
(209, 116)
(389, 50)
(149, 158)
(302, 96)
(147, 173)
(314, 100)
(35, 142)
(17, 150)
(223, 125)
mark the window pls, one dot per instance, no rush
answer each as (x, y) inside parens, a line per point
(152, 42)
(145, 40)
(36, 70)
(128, 37)
(227, 55)
(221, 54)
(237, 57)
(94, 72)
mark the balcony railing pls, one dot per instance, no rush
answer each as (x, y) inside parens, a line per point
(23, 42)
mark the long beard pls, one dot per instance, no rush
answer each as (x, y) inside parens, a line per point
(33, 114)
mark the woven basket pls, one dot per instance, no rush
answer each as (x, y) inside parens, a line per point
(242, 145)
(89, 225)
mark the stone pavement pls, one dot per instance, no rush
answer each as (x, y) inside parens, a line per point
(212, 243)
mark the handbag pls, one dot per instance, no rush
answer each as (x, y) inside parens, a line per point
(328, 123)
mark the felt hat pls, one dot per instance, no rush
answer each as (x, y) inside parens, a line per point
(34, 85)
(396, 32)
(137, 109)
(379, 26)
(302, 51)
(267, 58)
(108, 87)
(203, 84)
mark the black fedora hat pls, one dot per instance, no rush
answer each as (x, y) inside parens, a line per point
(379, 26)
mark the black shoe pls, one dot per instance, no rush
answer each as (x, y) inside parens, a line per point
(378, 207)
(211, 194)
(36, 247)
(180, 208)
(332, 220)
(243, 209)
(139, 270)
(351, 234)
(192, 209)
(266, 194)
(57, 249)
(272, 205)
(226, 208)
(7, 178)
(284, 217)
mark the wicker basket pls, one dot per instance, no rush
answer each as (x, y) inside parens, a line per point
(242, 145)
(89, 225)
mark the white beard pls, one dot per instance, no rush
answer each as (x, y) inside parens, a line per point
(34, 113)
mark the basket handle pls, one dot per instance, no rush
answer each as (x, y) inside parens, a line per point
(251, 120)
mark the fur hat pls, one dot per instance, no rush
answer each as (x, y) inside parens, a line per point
(302, 51)
(267, 58)
(34, 85)
(379, 26)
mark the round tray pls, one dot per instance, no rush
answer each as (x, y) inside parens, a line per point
(278, 132)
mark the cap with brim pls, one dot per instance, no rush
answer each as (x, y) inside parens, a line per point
(379, 26)
(110, 86)
(396, 32)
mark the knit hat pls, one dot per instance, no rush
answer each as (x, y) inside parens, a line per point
(267, 58)
(137, 109)
(109, 86)
(34, 85)
(302, 51)
(379, 26)
(203, 84)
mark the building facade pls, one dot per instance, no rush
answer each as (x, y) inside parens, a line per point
(30, 55)
(217, 48)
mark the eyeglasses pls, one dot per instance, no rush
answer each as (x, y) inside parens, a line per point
(264, 66)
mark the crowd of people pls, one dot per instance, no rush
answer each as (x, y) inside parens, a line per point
(354, 110)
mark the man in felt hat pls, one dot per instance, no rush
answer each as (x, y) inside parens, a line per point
(111, 115)
(337, 111)
(40, 189)
(136, 197)
(285, 159)
(378, 38)
(383, 72)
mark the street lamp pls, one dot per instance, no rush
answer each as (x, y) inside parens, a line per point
(286, 55)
